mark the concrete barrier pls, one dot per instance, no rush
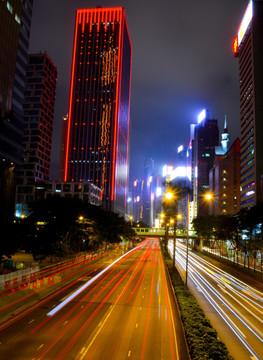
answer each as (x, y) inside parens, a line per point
(15, 277)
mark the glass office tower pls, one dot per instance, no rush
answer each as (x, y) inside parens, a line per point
(248, 47)
(97, 132)
(15, 24)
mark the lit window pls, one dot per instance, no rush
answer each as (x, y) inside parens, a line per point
(17, 18)
(9, 7)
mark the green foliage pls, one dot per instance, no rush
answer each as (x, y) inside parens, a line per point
(248, 222)
(201, 337)
(61, 227)
(9, 239)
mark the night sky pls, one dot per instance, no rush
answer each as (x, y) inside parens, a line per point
(182, 62)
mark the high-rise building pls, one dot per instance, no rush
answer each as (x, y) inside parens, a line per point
(97, 135)
(248, 48)
(205, 140)
(137, 199)
(224, 181)
(15, 23)
(38, 115)
(147, 214)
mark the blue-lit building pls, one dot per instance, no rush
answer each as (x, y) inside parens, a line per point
(206, 138)
(148, 192)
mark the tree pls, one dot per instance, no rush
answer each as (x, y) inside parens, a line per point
(64, 226)
(10, 239)
(53, 227)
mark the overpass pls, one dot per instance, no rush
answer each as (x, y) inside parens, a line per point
(153, 232)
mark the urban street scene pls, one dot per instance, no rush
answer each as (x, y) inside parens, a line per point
(131, 180)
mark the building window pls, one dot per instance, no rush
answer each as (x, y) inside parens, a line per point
(9, 7)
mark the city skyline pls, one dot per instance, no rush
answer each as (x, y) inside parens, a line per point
(178, 68)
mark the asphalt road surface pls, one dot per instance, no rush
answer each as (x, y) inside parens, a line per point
(123, 309)
(234, 307)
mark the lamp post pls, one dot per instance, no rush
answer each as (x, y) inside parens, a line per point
(170, 198)
(207, 197)
(187, 238)
(174, 221)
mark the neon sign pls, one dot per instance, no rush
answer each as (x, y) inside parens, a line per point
(180, 148)
(235, 45)
(245, 22)
(243, 26)
(201, 116)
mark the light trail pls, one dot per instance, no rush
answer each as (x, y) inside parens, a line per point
(224, 289)
(48, 285)
(100, 306)
(88, 283)
(84, 309)
(14, 320)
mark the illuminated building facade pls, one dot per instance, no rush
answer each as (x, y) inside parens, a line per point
(147, 216)
(38, 116)
(248, 48)
(61, 170)
(15, 24)
(224, 182)
(87, 192)
(137, 199)
(206, 138)
(97, 134)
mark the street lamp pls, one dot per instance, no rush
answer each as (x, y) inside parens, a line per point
(174, 222)
(171, 199)
(168, 195)
(207, 197)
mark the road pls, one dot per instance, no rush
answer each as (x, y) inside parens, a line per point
(234, 307)
(125, 311)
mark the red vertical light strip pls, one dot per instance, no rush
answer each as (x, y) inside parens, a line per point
(98, 20)
(90, 21)
(128, 132)
(113, 176)
(84, 15)
(70, 97)
(113, 18)
(106, 20)
(94, 17)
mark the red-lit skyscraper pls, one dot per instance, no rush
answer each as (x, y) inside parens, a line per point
(248, 47)
(97, 133)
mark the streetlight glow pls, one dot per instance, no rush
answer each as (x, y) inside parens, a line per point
(168, 195)
(208, 196)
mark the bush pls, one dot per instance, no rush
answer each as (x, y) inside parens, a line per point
(201, 337)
